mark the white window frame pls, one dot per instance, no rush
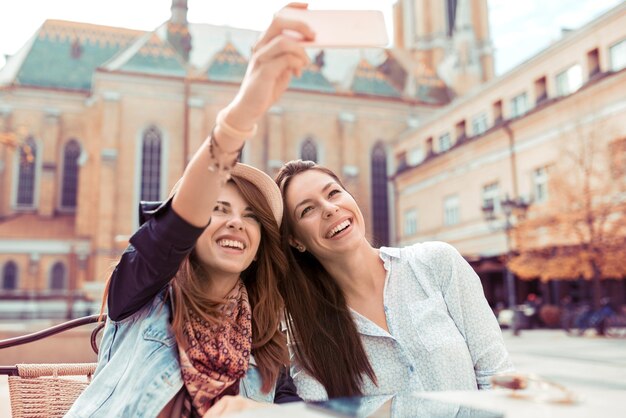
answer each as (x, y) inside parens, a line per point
(569, 80)
(540, 185)
(480, 124)
(519, 105)
(617, 55)
(444, 142)
(491, 193)
(410, 222)
(451, 210)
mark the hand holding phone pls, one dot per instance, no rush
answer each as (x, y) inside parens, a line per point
(341, 28)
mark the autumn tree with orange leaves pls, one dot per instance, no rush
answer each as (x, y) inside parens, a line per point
(581, 230)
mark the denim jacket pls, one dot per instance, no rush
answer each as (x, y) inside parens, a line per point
(138, 370)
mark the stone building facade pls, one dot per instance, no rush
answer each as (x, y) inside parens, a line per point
(94, 119)
(509, 139)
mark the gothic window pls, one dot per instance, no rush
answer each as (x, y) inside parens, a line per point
(69, 186)
(58, 276)
(380, 201)
(151, 165)
(27, 174)
(9, 276)
(308, 150)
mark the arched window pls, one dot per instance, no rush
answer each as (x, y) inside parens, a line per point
(58, 276)
(380, 202)
(151, 165)
(27, 174)
(308, 150)
(9, 276)
(69, 186)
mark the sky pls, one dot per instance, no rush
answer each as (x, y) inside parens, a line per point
(519, 29)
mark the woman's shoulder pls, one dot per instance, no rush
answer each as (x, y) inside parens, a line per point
(430, 261)
(430, 252)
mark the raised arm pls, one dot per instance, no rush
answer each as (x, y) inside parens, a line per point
(275, 59)
(160, 245)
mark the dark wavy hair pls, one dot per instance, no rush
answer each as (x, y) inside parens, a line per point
(323, 334)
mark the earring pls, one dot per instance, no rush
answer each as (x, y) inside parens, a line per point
(301, 248)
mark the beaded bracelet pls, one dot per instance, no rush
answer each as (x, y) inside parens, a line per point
(217, 156)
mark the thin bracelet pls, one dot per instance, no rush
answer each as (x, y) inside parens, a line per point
(217, 156)
(234, 132)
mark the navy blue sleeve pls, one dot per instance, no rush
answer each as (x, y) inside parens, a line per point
(153, 257)
(285, 389)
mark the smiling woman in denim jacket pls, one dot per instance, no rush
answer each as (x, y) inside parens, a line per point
(193, 305)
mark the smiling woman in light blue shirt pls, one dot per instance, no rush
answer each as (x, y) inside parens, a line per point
(377, 321)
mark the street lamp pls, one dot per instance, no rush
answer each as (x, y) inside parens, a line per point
(513, 209)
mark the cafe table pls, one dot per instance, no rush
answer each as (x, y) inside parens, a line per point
(589, 403)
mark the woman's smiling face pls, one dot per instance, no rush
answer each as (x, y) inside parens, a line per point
(324, 217)
(231, 241)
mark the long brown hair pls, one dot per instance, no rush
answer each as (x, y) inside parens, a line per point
(324, 336)
(261, 278)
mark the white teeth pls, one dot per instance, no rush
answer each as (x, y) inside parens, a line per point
(231, 244)
(338, 228)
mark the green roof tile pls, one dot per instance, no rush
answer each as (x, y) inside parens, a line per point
(312, 80)
(155, 57)
(369, 80)
(227, 65)
(65, 54)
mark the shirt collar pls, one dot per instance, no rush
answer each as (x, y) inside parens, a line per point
(366, 327)
(390, 252)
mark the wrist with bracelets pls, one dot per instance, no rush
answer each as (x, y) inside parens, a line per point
(221, 161)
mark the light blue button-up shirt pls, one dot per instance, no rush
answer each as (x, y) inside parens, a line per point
(442, 332)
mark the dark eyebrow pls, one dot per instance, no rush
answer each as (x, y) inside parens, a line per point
(310, 200)
(227, 204)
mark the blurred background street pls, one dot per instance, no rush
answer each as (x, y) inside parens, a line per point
(588, 362)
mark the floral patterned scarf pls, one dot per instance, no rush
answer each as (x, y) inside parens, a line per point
(216, 357)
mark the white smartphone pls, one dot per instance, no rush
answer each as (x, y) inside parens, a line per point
(341, 28)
